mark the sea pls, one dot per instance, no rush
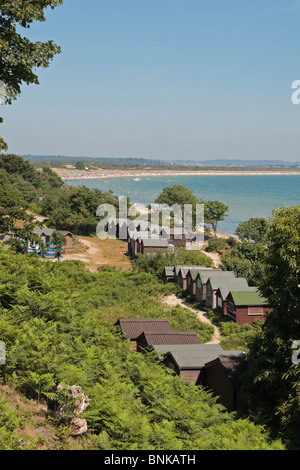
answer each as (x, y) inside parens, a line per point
(246, 195)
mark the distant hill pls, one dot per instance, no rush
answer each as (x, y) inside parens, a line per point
(138, 162)
(243, 163)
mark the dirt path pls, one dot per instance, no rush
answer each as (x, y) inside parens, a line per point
(172, 300)
(86, 254)
(215, 257)
(95, 252)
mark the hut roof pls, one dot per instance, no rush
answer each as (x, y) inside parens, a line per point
(206, 275)
(133, 327)
(198, 358)
(142, 234)
(189, 356)
(173, 337)
(233, 365)
(44, 230)
(246, 297)
(196, 270)
(176, 231)
(224, 289)
(225, 284)
(169, 270)
(138, 223)
(185, 269)
(155, 242)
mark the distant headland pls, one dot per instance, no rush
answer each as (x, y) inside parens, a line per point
(68, 167)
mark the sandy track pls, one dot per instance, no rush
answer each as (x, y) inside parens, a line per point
(172, 300)
(95, 252)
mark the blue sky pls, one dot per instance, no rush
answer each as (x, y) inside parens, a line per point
(165, 79)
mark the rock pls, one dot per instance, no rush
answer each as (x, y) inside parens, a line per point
(83, 401)
(81, 404)
(79, 426)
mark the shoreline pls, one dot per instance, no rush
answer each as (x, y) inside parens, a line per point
(75, 175)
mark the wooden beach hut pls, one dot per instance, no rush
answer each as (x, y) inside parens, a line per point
(132, 328)
(246, 306)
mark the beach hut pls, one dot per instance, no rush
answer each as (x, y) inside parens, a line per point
(175, 236)
(176, 273)
(188, 360)
(224, 283)
(132, 328)
(193, 274)
(46, 234)
(152, 245)
(133, 237)
(146, 340)
(139, 225)
(221, 297)
(168, 274)
(122, 229)
(223, 377)
(183, 271)
(111, 227)
(69, 238)
(246, 306)
(203, 277)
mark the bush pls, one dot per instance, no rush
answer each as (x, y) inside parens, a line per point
(216, 244)
(156, 263)
(9, 422)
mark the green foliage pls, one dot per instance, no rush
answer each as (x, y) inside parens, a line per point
(57, 324)
(68, 208)
(80, 165)
(59, 240)
(273, 379)
(17, 166)
(26, 180)
(74, 208)
(183, 201)
(38, 385)
(246, 259)
(255, 230)
(176, 194)
(281, 281)
(14, 220)
(220, 245)
(238, 337)
(156, 263)
(9, 422)
(181, 318)
(233, 336)
(214, 212)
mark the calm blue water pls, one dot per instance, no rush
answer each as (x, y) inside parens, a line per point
(246, 195)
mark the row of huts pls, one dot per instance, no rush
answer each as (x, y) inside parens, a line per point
(206, 365)
(45, 235)
(221, 290)
(145, 237)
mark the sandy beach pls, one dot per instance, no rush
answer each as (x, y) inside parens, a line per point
(78, 175)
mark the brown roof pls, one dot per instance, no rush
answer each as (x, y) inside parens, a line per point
(133, 327)
(65, 232)
(234, 366)
(174, 337)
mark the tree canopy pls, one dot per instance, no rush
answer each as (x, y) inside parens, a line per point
(246, 259)
(214, 212)
(273, 384)
(176, 194)
(254, 229)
